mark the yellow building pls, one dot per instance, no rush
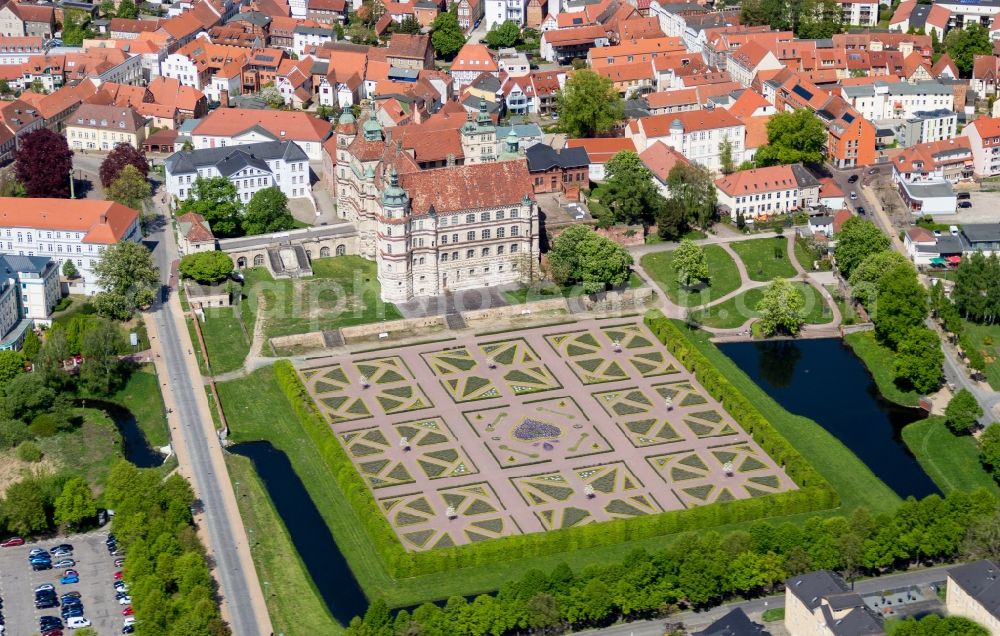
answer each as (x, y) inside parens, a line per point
(974, 592)
(99, 127)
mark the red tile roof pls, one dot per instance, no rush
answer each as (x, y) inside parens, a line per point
(661, 159)
(459, 188)
(601, 149)
(757, 180)
(100, 221)
(297, 126)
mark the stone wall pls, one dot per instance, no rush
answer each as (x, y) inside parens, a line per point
(311, 340)
(407, 324)
(512, 311)
(623, 300)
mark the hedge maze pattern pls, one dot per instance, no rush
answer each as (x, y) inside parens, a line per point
(484, 437)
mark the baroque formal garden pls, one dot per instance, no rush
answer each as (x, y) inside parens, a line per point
(536, 430)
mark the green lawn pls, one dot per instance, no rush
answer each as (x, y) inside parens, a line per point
(294, 605)
(765, 258)
(725, 278)
(991, 352)
(548, 291)
(88, 451)
(342, 292)
(881, 362)
(847, 313)
(952, 461)
(852, 479)
(227, 345)
(735, 311)
(804, 254)
(142, 396)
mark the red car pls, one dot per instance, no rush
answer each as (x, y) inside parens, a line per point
(128, 611)
(118, 576)
(53, 632)
(12, 542)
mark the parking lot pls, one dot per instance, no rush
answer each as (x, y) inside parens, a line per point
(985, 209)
(96, 586)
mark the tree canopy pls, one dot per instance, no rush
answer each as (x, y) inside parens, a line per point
(865, 278)
(75, 504)
(781, 308)
(857, 240)
(989, 450)
(977, 288)
(693, 188)
(217, 200)
(580, 255)
(629, 192)
(266, 212)
(130, 188)
(966, 43)
(901, 304)
(128, 276)
(206, 267)
(588, 104)
(503, 35)
(690, 264)
(120, 156)
(11, 365)
(962, 412)
(919, 359)
(42, 164)
(793, 137)
(446, 35)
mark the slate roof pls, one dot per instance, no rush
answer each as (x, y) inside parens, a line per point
(232, 159)
(14, 263)
(542, 157)
(979, 580)
(735, 623)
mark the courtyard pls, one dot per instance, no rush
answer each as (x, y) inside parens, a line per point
(540, 429)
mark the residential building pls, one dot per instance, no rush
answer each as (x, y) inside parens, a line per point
(761, 193)
(735, 623)
(985, 70)
(750, 59)
(949, 160)
(238, 126)
(553, 170)
(327, 11)
(210, 68)
(429, 231)
(860, 12)
(194, 234)
(499, 11)
(305, 36)
(100, 127)
(931, 197)
(470, 12)
(563, 45)
(984, 141)
(660, 159)
(66, 229)
(820, 604)
(29, 291)
(19, 49)
(927, 126)
(696, 134)
(898, 100)
(31, 20)
(410, 51)
(472, 61)
(600, 150)
(250, 167)
(514, 63)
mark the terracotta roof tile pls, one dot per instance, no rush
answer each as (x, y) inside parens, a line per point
(75, 215)
(459, 188)
(297, 126)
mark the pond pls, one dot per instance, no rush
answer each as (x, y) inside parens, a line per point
(823, 380)
(135, 447)
(308, 530)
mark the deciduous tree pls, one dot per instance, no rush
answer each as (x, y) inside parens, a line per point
(101, 372)
(69, 269)
(857, 240)
(901, 304)
(122, 155)
(962, 412)
(75, 504)
(217, 200)
(130, 188)
(919, 359)
(588, 104)
(43, 163)
(206, 267)
(865, 278)
(989, 454)
(503, 35)
(966, 43)
(24, 507)
(726, 157)
(793, 137)
(629, 192)
(690, 264)
(31, 345)
(602, 263)
(693, 189)
(128, 277)
(266, 212)
(446, 36)
(11, 365)
(781, 308)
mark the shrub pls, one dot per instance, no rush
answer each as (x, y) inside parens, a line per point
(12, 433)
(44, 425)
(64, 304)
(29, 452)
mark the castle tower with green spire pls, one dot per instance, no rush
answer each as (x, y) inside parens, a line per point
(479, 137)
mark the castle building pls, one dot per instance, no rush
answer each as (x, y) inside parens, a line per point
(441, 229)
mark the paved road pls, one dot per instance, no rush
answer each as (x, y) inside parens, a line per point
(754, 608)
(243, 601)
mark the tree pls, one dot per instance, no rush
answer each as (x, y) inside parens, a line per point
(272, 96)
(5, 88)
(726, 157)
(26, 396)
(12, 433)
(206, 267)
(819, 19)
(128, 277)
(962, 412)
(781, 308)
(69, 269)
(602, 263)
(266, 212)
(76, 27)
(43, 163)
(75, 504)
(989, 455)
(690, 264)
(934, 625)
(919, 359)
(503, 35)
(130, 188)
(409, 25)
(864, 280)
(120, 156)
(902, 304)
(671, 220)
(857, 240)
(31, 345)
(629, 191)
(588, 104)
(101, 372)
(11, 365)
(693, 188)
(127, 9)
(564, 257)
(217, 200)
(793, 137)
(446, 36)
(24, 507)
(964, 44)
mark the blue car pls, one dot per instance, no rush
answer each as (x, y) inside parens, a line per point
(69, 578)
(71, 611)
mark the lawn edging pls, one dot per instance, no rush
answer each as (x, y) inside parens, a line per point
(814, 492)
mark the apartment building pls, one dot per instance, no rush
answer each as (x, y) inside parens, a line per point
(29, 291)
(984, 141)
(696, 134)
(761, 193)
(100, 127)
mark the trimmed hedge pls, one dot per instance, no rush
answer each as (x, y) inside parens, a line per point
(814, 492)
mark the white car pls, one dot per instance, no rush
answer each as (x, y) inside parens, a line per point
(45, 587)
(129, 620)
(73, 622)
(125, 600)
(854, 195)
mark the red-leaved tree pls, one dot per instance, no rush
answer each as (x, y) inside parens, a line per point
(122, 155)
(42, 164)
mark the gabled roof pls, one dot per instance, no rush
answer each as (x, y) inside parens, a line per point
(770, 179)
(407, 46)
(542, 157)
(939, 16)
(296, 126)
(195, 228)
(944, 63)
(474, 57)
(661, 159)
(100, 221)
(750, 55)
(460, 188)
(601, 149)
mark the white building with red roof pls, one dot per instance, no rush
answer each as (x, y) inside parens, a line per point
(984, 140)
(472, 61)
(766, 192)
(859, 12)
(750, 59)
(237, 126)
(696, 134)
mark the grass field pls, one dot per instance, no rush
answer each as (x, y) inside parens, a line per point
(725, 278)
(804, 255)
(552, 290)
(343, 291)
(735, 311)
(765, 258)
(294, 605)
(881, 363)
(88, 451)
(142, 396)
(990, 352)
(952, 461)
(847, 313)
(227, 345)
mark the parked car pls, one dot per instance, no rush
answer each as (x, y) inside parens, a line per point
(49, 622)
(963, 196)
(62, 547)
(45, 587)
(965, 204)
(64, 563)
(12, 542)
(861, 210)
(128, 629)
(119, 563)
(41, 565)
(125, 600)
(46, 603)
(118, 576)
(69, 579)
(854, 196)
(53, 632)
(34, 552)
(77, 621)
(852, 179)
(128, 611)
(73, 594)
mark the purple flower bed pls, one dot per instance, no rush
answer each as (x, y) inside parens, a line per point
(530, 430)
